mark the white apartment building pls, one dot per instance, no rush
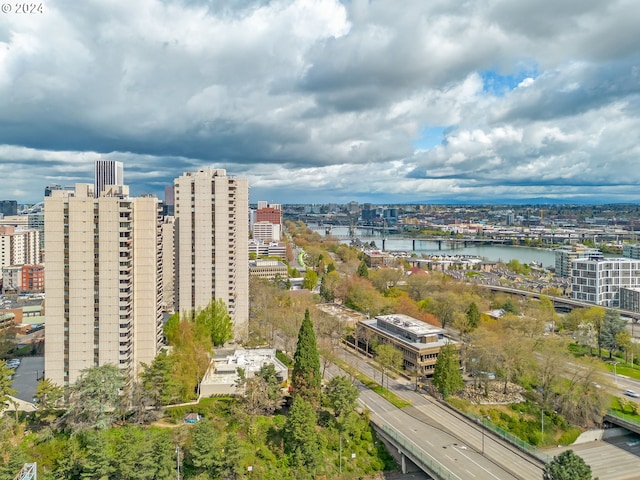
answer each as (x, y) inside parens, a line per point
(212, 254)
(19, 247)
(103, 281)
(599, 280)
(566, 254)
(107, 172)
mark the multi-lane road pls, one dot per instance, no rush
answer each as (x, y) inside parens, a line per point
(461, 447)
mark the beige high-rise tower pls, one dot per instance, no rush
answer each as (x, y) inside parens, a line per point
(103, 277)
(212, 244)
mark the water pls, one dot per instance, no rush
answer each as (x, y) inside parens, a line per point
(493, 253)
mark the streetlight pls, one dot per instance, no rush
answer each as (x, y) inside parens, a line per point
(178, 461)
(542, 421)
(615, 373)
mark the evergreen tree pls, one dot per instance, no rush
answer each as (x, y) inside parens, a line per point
(301, 440)
(202, 455)
(97, 464)
(363, 271)
(5, 384)
(473, 315)
(447, 377)
(14, 463)
(306, 378)
(567, 466)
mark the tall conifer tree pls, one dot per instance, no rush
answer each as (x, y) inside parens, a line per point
(306, 378)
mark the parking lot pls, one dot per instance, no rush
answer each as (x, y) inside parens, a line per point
(26, 378)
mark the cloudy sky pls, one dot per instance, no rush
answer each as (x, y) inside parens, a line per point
(327, 101)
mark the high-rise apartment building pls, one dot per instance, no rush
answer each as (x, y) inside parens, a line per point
(8, 207)
(212, 231)
(19, 247)
(107, 172)
(103, 281)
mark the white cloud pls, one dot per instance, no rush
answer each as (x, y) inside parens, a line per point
(321, 98)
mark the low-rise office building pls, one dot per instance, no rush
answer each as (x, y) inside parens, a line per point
(419, 342)
(268, 269)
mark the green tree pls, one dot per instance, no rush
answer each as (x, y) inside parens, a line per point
(170, 328)
(98, 460)
(624, 343)
(69, 462)
(13, 464)
(310, 279)
(158, 380)
(94, 398)
(363, 270)
(447, 377)
(214, 321)
(5, 384)
(202, 454)
(229, 464)
(306, 378)
(612, 325)
(473, 315)
(388, 357)
(47, 396)
(567, 466)
(342, 395)
(301, 442)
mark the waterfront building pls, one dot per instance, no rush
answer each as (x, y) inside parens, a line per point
(212, 235)
(103, 281)
(631, 250)
(566, 254)
(419, 342)
(107, 172)
(599, 280)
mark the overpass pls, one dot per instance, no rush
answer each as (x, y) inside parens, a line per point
(562, 302)
(439, 441)
(622, 421)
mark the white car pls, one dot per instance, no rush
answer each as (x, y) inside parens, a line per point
(633, 442)
(632, 393)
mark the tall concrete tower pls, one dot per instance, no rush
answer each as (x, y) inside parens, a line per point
(212, 244)
(107, 172)
(103, 278)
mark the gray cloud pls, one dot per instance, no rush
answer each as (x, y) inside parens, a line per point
(322, 100)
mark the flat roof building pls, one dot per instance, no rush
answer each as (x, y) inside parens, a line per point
(419, 342)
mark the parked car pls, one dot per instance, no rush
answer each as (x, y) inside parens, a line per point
(632, 393)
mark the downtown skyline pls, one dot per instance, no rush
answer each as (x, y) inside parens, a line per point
(319, 101)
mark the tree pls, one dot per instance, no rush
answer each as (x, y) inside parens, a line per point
(363, 270)
(201, 455)
(215, 322)
(624, 343)
(158, 381)
(341, 394)
(310, 279)
(98, 459)
(612, 325)
(262, 392)
(301, 441)
(47, 396)
(306, 378)
(388, 357)
(6, 390)
(447, 377)
(567, 466)
(170, 328)
(93, 399)
(473, 315)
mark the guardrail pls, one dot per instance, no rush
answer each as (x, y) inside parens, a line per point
(418, 456)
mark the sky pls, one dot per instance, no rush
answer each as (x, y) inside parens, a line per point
(319, 101)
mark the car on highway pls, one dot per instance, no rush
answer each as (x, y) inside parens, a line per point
(633, 442)
(632, 393)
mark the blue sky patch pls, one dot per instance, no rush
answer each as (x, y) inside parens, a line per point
(429, 137)
(497, 84)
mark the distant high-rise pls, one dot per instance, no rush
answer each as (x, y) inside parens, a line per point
(103, 281)
(212, 253)
(107, 172)
(8, 207)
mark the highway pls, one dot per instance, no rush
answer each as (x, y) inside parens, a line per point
(458, 445)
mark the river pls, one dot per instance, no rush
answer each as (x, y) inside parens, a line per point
(492, 253)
